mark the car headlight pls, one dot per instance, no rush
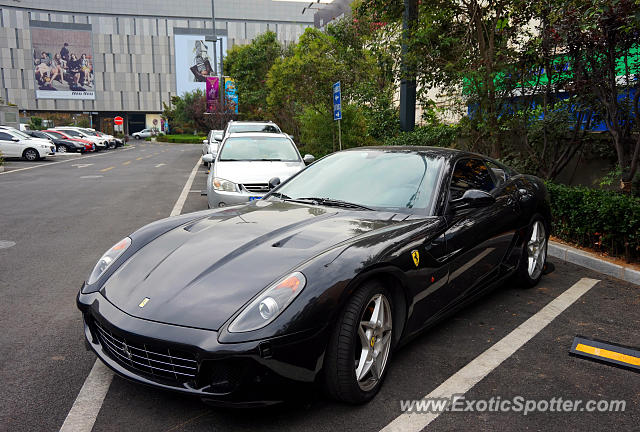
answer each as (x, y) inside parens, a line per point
(268, 305)
(221, 184)
(108, 258)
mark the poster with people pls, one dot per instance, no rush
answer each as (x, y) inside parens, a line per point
(63, 63)
(196, 60)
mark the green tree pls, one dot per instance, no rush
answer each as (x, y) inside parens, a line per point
(249, 66)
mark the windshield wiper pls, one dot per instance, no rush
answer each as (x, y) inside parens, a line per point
(268, 160)
(280, 195)
(330, 202)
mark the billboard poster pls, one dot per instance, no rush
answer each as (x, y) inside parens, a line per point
(196, 59)
(231, 95)
(213, 87)
(63, 63)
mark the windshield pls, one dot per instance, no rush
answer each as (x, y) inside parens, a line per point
(73, 133)
(56, 135)
(255, 127)
(372, 178)
(259, 148)
(21, 134)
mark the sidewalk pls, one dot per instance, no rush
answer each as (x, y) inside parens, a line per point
(591, 261)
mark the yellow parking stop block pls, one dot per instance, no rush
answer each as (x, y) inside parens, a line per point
(606, 352)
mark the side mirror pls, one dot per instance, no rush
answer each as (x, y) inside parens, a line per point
(290, 136)
(472, 198)
(14, 139)
(204, 141)
(274, 182)
(217, 137)
(208, 158)
(308, 159)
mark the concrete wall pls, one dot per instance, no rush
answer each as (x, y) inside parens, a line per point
(133, 44)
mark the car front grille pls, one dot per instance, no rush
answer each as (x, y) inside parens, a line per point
(160, 362)
(256, 187)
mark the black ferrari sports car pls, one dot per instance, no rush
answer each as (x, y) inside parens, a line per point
(317, 282)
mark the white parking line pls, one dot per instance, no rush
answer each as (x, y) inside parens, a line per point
(185, 191)
(59, 162)
(86, 407)
(467, 377)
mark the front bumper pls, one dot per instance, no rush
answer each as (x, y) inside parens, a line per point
(225, 199)
(253, 373)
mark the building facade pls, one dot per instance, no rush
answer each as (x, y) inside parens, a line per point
(122, 57)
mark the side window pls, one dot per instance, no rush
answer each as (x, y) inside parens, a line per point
(498, 173)
(470, 174)
(5, 136)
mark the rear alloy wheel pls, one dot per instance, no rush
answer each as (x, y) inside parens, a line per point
(31, 154)
(360, 348)
(61, 149)
(534, 254)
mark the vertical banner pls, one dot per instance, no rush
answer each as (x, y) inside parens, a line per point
(231, 95)
(195, 61)
(213, 88)
(62, 63)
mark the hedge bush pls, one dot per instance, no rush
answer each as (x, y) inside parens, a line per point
(436, 136)
(596, 218)
(181, 139)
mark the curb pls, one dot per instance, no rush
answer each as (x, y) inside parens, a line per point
(590, 261)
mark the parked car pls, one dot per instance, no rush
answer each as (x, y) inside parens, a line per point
(210, 145)
(111, 140)
(62, 145)
(317, 282)
(119, 142)
(75, 132)
(17, 144)
(247, 126)
(245, 164)
(146, 133)
(88, 145)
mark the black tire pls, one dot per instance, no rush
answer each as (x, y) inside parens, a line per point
(31, 154)
(339, 367)
(136, 137)
(523, 275)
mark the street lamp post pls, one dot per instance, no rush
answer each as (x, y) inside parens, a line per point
(408, 79)
(215, 39)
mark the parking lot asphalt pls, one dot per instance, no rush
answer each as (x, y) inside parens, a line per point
(62, 217)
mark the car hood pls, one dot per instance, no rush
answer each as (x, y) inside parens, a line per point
(199, 274)
(255, 171)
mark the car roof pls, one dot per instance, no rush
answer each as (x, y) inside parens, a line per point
(257, 134)
(446, 152)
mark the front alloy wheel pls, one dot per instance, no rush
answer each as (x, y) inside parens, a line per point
(61, 149)
(374, 335)
(360, 346)
(534, 253)
(31, 155)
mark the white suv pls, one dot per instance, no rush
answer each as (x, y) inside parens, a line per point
(14, 143)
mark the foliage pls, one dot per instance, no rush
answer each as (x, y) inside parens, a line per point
(601, 42)
(249, 66)
(596, 218)
(188, 113)
(36, 123)
(439, 135)
(1, 159)
(318, 139)
(181, 139)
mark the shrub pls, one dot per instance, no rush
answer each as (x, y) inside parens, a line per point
(181, 139)
(441, 135)
(596, 218)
